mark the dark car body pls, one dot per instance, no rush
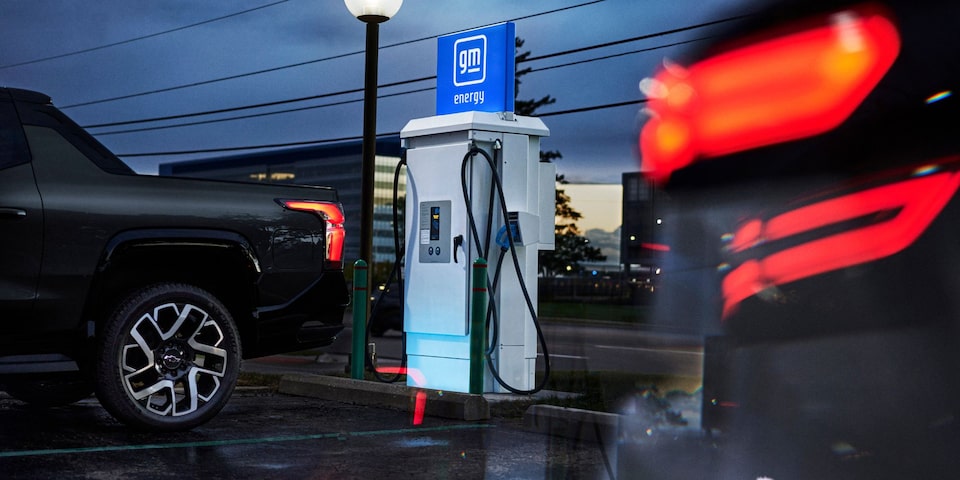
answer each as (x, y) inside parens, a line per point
(79, 231)
(814, 230)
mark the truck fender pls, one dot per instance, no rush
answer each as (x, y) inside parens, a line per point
(172, 237)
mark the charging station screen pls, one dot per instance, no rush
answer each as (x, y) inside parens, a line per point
(434, 223)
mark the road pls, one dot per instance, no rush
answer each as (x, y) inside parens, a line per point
(606, 347)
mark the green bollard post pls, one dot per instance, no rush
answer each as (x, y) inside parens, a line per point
(361, 298)
(478, 317)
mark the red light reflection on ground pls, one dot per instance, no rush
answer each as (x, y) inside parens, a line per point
(420, 405)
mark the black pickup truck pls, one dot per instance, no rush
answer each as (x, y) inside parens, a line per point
(149, 290)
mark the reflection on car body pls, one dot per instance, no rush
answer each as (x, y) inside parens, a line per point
(816, 148)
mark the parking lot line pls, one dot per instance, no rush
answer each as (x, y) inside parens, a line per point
(242, 441)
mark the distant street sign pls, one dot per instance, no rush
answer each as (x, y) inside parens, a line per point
(475, 70)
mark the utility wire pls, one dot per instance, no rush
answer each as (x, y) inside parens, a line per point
(315, 142)
(249, 147)
(207, 82)
(345, 102)
(590, 109)
(304, 63)
(385, 85)
(258, 105)
(622, 54)
(265, 114)
(300, 109)
(135, 39)
(641, 37)
(345, 139)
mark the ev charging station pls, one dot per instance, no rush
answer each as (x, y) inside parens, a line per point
(472, 170)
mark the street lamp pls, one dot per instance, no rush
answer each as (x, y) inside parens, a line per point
(373, 13)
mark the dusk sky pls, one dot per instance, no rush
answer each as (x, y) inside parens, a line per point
(86, 54)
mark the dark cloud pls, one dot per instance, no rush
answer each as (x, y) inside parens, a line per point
(596, 145)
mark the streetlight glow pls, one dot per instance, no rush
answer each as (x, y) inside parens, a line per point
(373, 11)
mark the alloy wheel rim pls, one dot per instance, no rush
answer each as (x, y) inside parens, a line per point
(172, 360)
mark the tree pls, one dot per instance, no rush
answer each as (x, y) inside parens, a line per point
(529, 107)
(571, 246)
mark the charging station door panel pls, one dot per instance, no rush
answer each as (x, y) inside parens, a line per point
(436, 277)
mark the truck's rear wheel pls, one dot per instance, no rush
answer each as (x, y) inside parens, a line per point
(169, 358)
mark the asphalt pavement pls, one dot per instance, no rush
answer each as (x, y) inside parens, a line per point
(261, 434)
(323, 374)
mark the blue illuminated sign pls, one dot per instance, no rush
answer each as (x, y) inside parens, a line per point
(475, 70)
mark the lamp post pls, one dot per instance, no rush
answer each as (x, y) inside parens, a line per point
(373, 13)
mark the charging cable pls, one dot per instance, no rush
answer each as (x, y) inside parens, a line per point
(497, 188)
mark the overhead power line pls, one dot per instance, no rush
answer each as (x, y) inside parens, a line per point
(344, 102)
(346, 139)
(638, 38)
(304, 63)
(385, 85)
(258, 105)
(256, 115)
(249, 147)
(621, 54)
(590, 109)
(143, 37)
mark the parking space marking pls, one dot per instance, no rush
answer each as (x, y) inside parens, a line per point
(242, 441)
(557, 355)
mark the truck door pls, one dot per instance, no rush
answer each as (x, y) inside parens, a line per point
(21, 225)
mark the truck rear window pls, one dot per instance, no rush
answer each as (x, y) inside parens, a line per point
(49, 116)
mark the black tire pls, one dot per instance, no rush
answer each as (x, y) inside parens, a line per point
(53, 391)
(168, 358)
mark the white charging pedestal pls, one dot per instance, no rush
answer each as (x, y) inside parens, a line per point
(440, 248)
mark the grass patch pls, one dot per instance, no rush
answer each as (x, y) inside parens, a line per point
(632, 314)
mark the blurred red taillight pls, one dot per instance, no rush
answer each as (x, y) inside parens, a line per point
(899, 213)
(332, 213)
(779, 87)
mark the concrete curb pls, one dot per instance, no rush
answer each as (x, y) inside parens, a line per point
(573, 423)
(598, 427)
(454, 405)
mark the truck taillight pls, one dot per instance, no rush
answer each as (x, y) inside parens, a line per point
(791, 84)
(332, 214)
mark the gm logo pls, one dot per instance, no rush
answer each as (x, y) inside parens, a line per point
(475, 70)
(470, 60)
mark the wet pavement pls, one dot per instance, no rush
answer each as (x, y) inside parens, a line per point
(265, 435)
